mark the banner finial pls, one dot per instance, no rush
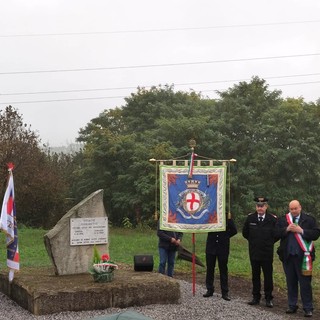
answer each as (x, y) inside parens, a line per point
(10, 166)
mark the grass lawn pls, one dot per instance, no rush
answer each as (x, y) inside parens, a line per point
(125, 243)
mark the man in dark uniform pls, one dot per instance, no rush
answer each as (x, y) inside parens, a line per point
(297, 231)
(259, 229)
(218, 247)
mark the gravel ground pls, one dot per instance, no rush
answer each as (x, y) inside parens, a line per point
(191, 308)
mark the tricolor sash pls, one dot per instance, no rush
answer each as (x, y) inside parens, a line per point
(306, 247)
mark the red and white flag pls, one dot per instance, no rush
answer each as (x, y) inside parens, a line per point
(8, 224)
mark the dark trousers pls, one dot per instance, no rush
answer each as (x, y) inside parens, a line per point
(267, 269)
(292, 269)
(223, 270)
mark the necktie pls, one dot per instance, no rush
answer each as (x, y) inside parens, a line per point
(260, 219)
(294, 219)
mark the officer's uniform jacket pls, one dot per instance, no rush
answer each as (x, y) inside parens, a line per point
(260, 235)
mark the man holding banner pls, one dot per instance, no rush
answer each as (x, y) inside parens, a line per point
(217, 248)
(169, 242)
(297, 231)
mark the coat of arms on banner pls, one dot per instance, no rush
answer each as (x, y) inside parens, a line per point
(195, 204)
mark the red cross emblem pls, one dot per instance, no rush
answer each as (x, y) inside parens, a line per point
(192, 202)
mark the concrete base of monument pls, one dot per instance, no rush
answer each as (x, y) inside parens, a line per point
(40, 291)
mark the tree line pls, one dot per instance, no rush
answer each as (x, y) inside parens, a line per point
(274, 140)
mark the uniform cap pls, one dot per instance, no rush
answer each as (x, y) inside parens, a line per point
(260, 200)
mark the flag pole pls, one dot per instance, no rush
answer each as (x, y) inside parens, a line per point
(193, 264)
(192, 144)
(8, 224)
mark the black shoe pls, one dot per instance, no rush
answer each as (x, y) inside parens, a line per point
(226, 297)
(254, 302)
(209, 293)
(308, 314)
(269, 303)
(292, 310)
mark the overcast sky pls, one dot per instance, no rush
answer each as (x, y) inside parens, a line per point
(100, 51)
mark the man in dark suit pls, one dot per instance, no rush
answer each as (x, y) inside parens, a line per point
(297, 231)
(218, 247)
(259, 229)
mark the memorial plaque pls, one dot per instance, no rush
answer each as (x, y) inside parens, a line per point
(88, 231)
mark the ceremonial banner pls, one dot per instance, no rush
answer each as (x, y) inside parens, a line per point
(8, 224)
(193, 203)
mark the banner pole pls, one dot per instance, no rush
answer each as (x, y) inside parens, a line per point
(193, 264)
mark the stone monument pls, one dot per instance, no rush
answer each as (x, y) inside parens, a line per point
(70, 247)
(70, 243)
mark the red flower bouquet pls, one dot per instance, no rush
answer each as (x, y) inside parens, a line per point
(102, 267)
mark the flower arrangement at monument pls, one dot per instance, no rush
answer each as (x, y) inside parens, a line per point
(102, 268)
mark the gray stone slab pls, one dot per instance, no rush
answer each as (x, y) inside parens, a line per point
(42, 292)
(67, 259)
